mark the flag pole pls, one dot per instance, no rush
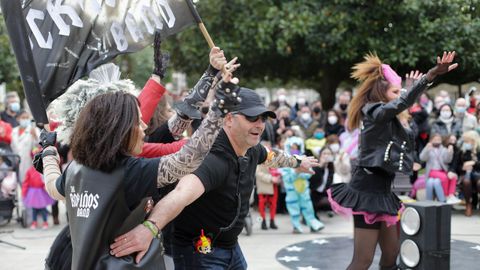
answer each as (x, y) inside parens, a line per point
(199, 21)
(17, 31)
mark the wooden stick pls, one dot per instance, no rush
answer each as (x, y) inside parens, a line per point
(206, 35)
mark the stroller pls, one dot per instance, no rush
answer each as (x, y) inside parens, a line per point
(9, 183)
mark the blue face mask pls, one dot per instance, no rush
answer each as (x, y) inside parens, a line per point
(461, 109)
(14, 107)
(319, 135)
(25, 123)
(467, 146)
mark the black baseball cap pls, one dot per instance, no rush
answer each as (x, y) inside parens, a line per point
(252, 105)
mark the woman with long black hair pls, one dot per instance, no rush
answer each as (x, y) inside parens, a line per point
(386, 147)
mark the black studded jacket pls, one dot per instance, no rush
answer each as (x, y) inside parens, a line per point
(384, 142)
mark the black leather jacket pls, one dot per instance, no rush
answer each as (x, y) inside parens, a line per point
(384, 142)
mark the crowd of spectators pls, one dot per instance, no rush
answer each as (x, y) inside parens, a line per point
(447, 149)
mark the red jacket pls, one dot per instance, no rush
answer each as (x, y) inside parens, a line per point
(7, 136)
(32, 179)
(149, 97)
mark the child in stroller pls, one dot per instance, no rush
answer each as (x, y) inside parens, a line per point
(8, 187)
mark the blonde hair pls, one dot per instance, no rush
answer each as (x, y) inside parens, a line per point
(372, 87)
(472, 135)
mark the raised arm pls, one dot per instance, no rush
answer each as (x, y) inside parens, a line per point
(175, 166)
(382, 112)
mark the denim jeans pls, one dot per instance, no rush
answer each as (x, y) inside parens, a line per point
(434, 184)
(186, 258)
(42, 211)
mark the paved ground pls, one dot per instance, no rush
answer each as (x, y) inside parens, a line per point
(260, 248)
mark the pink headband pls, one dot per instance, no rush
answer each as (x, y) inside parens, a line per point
(391, 76)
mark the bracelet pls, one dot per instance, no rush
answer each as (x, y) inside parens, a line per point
(154, 224)
(152, 227)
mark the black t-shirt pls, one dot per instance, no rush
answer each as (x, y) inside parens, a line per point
(140, 180)
(218, 206)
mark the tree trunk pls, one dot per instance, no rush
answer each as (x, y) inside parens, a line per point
(328, 87)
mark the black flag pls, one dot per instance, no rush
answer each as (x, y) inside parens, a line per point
(69, 38)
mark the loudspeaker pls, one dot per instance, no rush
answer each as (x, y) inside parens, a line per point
(425, 236)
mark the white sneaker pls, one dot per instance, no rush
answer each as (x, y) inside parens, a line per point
(453, 200)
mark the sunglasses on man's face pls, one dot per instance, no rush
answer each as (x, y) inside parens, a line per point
(254, 119)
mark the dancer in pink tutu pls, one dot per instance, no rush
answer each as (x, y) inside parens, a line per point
(386, 147)
(34, 195)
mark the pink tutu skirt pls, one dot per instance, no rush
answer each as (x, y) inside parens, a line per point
(368, 194)
(37, 198)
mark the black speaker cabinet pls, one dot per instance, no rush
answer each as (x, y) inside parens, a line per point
(425, 236)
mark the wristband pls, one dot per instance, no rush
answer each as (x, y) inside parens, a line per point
(299, 161)
(152, 227)
(48, 152)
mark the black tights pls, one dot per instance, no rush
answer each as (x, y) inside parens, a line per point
(366, 237)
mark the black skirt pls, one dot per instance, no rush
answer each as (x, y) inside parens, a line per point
(369, 191)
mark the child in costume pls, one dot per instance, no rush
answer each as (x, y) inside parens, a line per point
(298, 194)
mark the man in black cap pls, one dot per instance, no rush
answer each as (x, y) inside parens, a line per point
(211, 203)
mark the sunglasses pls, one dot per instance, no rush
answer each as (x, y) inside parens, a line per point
(254, 119)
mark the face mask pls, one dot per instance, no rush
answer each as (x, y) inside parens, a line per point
(282, 98)
(436, 145)
(445, 115)
(461, 109)
(447, 100)
(14, 107)
(301, 101)
(423, 100)
(329, 159)
(25, 123)
(316, 110)
(306, 117)
(467, 146)
(294, 152)
(335, 147)
(319, 135)
(343, 106)
(332, 120)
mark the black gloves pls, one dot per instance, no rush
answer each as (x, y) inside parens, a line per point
(46, 139)
(226, 98)
(160, 59)
(191, 104)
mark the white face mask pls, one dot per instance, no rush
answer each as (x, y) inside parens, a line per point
(306, 117)
(445, 115)
(335, 147)
(301, 101)
(24, 123)
(329, 159)
(332, 120)
(282, 98)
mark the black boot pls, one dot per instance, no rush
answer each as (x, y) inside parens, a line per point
(273, 225)
(264, 225)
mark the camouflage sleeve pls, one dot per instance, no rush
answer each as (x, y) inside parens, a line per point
(175, 166)
(277, 158)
